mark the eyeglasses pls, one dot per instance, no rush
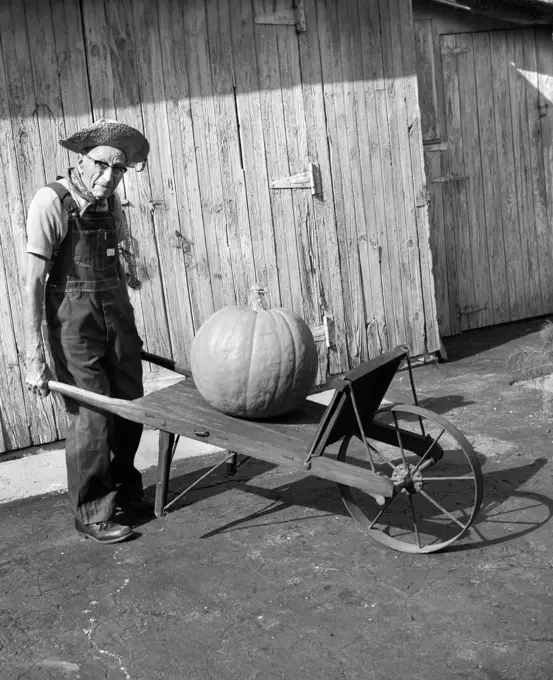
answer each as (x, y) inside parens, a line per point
(118, 170)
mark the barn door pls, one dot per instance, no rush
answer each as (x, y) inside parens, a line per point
(494, 177)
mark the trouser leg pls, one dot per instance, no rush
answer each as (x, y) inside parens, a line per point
(77, 338)
(90, 483)
(123, 367)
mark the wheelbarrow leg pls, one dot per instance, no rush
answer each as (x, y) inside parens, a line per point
(166, 444)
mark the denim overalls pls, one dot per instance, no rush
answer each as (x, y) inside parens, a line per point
(95, 345)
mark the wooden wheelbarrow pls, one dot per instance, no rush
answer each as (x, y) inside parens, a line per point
(406, 474)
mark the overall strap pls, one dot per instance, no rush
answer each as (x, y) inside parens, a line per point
(65, 197)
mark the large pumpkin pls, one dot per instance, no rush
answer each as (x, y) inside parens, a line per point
(254, 362)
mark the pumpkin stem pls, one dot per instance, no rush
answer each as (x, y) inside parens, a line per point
(259, 300)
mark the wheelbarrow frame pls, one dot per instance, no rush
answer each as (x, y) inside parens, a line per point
(298, 440)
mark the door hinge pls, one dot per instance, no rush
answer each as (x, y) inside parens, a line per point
(326, 331)
(303, 180)
(294, 16)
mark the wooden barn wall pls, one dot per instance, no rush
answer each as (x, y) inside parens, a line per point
(486, 94)
(231, 97)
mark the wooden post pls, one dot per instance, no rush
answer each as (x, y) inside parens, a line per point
(166, 443)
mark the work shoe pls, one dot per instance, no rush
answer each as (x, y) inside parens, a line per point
(104, 532)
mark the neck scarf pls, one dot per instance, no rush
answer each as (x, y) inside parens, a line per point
(78, 184)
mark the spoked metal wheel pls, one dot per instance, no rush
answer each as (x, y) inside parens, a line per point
(436, 474)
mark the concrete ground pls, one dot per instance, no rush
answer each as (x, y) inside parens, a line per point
(265, 577)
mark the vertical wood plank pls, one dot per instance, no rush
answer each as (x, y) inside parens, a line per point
(482, 312)
(303, 237)
(205, 125)
(71, 65)
(187, 233)
(545, 85)
(527, 230)
(331, 293)
(382, 330)
(385, 102)
(457, 187)
(48, 107)
(406, 263)
(491, 224)
(98, 59)
(165, 215)
(278, 165)
(541, 254)
(14, 430)
(353, 39)
(438, 242)
(424, 329)
(426, 74)
(336, 100)
(232, 171)
(450, 239)
(506, 173)
(253, 148)
(28, 167)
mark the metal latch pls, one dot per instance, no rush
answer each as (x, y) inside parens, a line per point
(303, 180)
(325, 332)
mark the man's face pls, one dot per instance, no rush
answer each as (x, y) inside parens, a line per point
(101, 170)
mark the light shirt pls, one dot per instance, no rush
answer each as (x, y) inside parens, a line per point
(48, 221)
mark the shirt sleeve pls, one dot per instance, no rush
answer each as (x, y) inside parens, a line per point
(46, 223)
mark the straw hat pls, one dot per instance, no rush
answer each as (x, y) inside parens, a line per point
(106, 132)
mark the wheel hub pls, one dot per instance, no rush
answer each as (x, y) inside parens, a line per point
(408, 478)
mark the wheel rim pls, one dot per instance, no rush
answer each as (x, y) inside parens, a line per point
(436, 501)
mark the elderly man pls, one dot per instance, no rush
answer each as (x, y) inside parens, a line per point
(74, 227)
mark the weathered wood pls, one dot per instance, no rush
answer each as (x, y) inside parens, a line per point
(205, 123)
(475, 228)
(337, 99)
(14, 431)
(409, 165)
(381, 333)
(230, 149)
(517, 87)
(303, 232)
(253, 148)
(429, 341)
(545, 108)
(541, 251)
(491, 218)
(278, 165)
(71, 65)
(352, 38)
(438, 244)
(384, 103)
(458, 189)
(49, 110)
(323, 227)
(25, 144)
(506, 177)
(163, 207)
(285, 442)
(186, 231)
(426, 74)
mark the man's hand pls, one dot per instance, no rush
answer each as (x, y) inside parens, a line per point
(38, 375)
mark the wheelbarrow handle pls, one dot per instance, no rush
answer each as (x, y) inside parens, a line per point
(120, 407)
(166, 363)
